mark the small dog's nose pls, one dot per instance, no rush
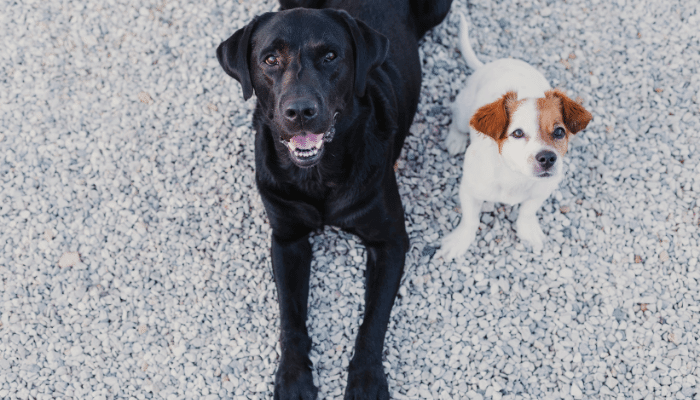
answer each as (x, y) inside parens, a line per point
(546, 159)
(301, 110)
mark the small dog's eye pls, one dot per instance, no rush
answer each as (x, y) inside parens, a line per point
(330, 56)
(518, 133)
(271, 60)
(559, 133)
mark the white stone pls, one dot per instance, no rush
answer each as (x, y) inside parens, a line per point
(576, 391)
(69, 259)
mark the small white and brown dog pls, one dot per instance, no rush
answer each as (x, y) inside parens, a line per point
(521, 130)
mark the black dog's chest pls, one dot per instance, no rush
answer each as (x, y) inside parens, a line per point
(315, 200)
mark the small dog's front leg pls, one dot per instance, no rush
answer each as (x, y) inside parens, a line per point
(457, 243)
(458, 135)
(456, 141)
(528, 225)
(291, 263)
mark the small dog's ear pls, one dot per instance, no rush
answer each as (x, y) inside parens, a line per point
(370, 48)
(576, 118)
(234, 55)
(493, 119)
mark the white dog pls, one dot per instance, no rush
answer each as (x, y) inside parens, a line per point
(521, 132)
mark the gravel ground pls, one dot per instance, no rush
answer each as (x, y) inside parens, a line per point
(134, 258)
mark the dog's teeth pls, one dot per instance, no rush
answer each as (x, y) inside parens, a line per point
(305, 153)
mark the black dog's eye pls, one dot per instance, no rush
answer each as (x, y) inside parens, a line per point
(330, 56)
(271, 60)
(559, 133)
(518, 133)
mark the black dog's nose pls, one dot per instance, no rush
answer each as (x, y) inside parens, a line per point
(546, 159)
(301, 110)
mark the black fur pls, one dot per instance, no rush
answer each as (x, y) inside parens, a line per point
(356, 72)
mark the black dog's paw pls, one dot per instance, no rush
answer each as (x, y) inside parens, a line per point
(294, 383)
(367, 383)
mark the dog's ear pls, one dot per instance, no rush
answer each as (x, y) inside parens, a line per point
(493, 119)
(576, 118)
(370, 48)
(234, 55)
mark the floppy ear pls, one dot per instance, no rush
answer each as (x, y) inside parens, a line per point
(493, 119)
(576, 118)
(234, 56)
(370, 48)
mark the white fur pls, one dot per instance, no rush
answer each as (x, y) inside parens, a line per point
(507, 177)
(467, 52)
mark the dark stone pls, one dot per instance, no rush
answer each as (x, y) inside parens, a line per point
(620, 315)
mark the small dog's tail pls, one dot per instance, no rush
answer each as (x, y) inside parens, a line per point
(464, 46)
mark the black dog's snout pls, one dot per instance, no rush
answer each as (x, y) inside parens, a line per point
(303, 110)
(546, 159)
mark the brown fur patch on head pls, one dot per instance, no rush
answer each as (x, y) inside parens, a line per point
(493, 119)
(576, 118)
(550, 117)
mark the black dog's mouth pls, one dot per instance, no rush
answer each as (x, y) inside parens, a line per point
(307, 149)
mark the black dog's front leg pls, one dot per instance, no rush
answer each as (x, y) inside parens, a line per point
(291, 262)
(385, 262)
(383, 232)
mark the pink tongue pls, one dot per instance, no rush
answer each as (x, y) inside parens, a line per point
(306, 141)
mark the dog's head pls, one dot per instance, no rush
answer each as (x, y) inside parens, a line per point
(532, 134)
(305, 66)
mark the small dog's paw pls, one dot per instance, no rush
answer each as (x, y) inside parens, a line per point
(367, 382)
(456, 244)
(456, 142)
(530, 232)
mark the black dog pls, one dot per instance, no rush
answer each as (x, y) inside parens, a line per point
(337, 91)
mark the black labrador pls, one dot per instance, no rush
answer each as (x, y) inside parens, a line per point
(337, 85)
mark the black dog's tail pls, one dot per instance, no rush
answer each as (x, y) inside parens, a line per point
(429, 13)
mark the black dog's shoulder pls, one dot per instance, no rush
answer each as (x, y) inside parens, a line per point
(428, 14)
(424, 14)
(289, 4)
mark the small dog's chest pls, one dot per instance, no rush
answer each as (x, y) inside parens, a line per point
(512, 191)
